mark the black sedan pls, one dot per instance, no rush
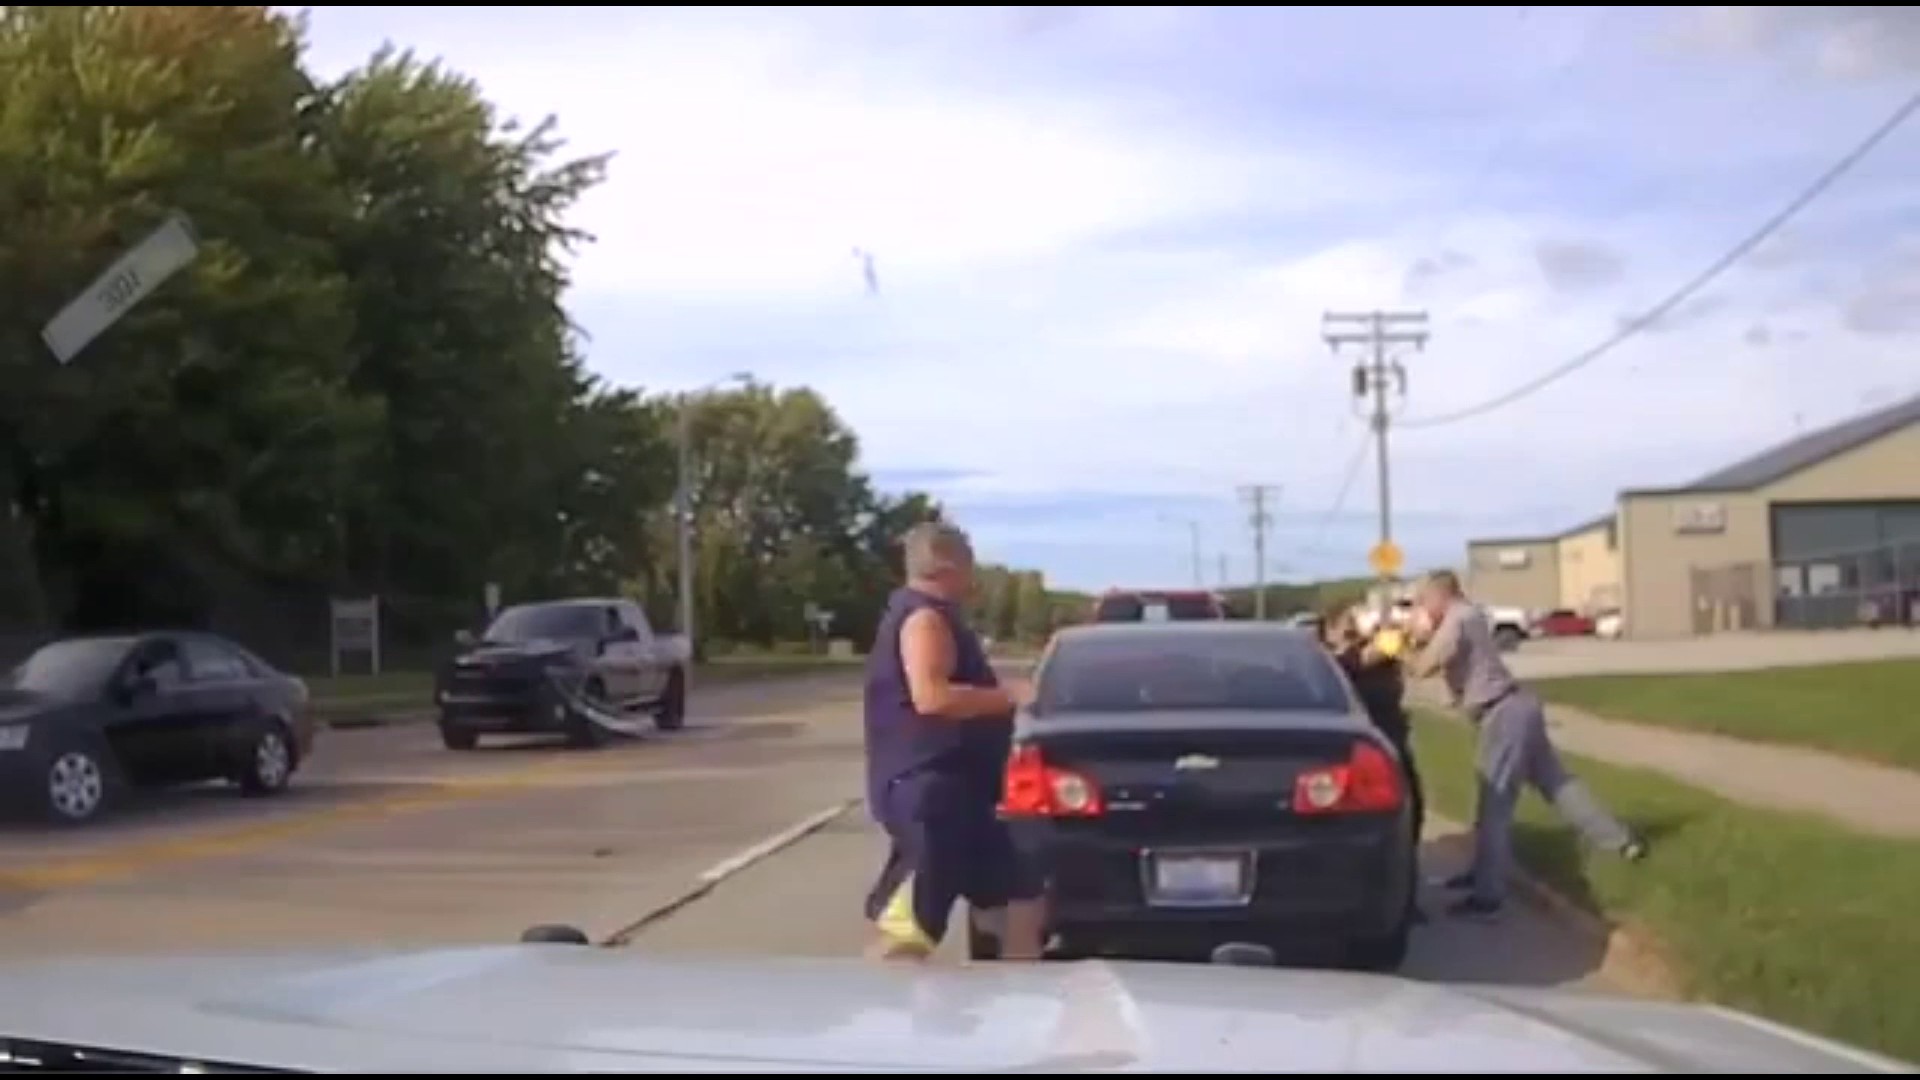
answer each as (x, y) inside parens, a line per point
(83, 717)
(1183, 785)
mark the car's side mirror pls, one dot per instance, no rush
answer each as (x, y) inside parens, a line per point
(465, 639)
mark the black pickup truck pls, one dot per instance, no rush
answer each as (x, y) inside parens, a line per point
(584, 669)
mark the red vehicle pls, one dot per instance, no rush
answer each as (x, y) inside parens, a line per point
(1157, 605)
(1563, 623)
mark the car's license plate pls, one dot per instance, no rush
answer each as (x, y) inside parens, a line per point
(1199, 879)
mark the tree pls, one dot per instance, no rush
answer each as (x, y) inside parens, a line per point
(455, 254)
(367, 381)
(785, 517)
(169, 434)
(1034, 616)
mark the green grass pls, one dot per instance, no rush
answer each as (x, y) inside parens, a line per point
(1868, 710)
(1775, 913)
(387, 684)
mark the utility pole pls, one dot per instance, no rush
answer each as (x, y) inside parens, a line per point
(1258, 496)
(683, 497)
(1378, 332)
(1223, 569)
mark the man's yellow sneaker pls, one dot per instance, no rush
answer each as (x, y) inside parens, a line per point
(900, 934)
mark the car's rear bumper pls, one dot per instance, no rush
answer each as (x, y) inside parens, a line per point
(1350, 880)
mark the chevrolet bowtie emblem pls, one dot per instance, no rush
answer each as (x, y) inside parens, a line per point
(1197, 761)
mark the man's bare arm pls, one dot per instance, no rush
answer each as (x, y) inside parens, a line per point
(1439, 649)
(927, 654)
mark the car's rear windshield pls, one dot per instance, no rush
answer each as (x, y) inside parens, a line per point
(1162, 671)
(1135, 607)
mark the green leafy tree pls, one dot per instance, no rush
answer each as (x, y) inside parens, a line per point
(217, 416)
(456, 257)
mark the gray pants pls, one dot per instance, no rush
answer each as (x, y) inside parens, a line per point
(1514, 753)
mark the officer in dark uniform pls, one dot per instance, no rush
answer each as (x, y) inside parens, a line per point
(1372, 663)
(939, 727)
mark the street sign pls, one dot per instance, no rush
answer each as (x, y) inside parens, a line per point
(354, 626)
(1386, 558)
(128, 281)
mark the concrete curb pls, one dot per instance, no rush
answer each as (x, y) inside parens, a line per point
(711, 877)
(1629, 959)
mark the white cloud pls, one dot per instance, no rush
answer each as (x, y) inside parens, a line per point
(1111, 278)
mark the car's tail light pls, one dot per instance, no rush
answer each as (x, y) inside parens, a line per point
(1037, 789)
(1368, 781)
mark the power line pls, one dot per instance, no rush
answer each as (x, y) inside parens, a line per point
(1358, 459)
(1700, 281)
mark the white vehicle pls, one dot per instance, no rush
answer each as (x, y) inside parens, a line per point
(1399, 615)
(1609, 625)
(1510, 625)
(555, 1008)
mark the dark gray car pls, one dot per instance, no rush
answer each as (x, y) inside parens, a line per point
(1201, 782)
(82, 718)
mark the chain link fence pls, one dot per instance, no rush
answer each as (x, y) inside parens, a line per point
(289, 624)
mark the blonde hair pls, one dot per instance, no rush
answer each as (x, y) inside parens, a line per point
(935, 546)
(1445, 580)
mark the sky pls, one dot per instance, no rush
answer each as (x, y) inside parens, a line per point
(1104, 239)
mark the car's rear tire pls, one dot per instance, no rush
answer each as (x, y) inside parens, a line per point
(671, 713)
(1381, 954)
(78, 784)
(455, 737)
(1508, 638)
(268, 764)
(982, 943)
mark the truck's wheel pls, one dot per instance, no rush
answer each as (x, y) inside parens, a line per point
(455, 737)
(671, 713)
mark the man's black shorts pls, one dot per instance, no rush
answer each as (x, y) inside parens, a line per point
(948, 844)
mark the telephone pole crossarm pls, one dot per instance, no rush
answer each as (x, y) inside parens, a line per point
(1378, 332)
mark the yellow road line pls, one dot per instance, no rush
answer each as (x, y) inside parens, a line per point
(129, 859)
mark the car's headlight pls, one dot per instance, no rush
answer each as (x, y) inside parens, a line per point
(13, 736)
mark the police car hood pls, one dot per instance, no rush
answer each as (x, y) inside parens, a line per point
(557, 1008)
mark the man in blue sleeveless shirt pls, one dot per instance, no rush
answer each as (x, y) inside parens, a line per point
(939, 726)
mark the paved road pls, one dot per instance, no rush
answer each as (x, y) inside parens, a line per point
(815, 887)
(391, 840)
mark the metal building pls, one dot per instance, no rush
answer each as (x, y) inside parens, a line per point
(1820, 531)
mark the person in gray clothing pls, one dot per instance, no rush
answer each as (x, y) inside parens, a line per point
(1514, 749)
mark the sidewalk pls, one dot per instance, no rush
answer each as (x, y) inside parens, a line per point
(1872, 798)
